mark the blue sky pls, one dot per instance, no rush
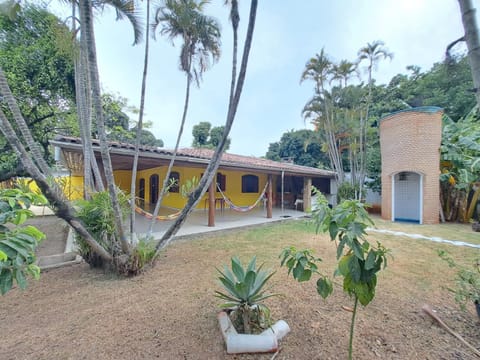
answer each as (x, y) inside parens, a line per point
(287, 34)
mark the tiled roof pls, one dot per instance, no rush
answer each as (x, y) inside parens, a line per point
(202, 156)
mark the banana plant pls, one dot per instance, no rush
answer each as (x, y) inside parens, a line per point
(244, 294)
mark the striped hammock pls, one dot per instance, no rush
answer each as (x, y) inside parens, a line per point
(242, 208)
(148, 215)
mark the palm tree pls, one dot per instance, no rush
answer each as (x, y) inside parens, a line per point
(321, 110)
(201, 41)
(214, 163)
(83, 99)
(318, 69)
(124, 8)
(324, 116)
(372, 53)
(140, 122)
(235, 20)
(343, 71)
(473, 42)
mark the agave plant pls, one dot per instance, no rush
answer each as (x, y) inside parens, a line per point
(245, 292)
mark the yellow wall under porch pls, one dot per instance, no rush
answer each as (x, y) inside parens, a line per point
(73, 185)
(233, 185)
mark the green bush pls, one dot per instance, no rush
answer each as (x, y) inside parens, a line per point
(17, 242)
(347, 191)
(98, 216)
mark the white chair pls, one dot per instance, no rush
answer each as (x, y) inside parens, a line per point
(298, 202)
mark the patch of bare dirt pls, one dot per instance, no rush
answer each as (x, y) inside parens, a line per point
(169, 312)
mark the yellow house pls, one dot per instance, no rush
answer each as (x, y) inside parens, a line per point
(240, 181)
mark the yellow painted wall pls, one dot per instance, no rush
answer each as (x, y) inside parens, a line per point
(72, 186)
(123, 179)
(233, 186)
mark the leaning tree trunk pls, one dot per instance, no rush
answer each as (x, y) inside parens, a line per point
(140, 124)
(473, 42)
(86, 17)
(174, 155)
(6, 93)
(50, 189)
(212, 167)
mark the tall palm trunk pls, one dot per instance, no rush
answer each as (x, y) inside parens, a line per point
(83, 98)
(235, 18)
(140, 124)
(174, 155)
(86, 17)
(332, 142)
(50, 189)
(473, 42)
(363, 135)
(212, 167)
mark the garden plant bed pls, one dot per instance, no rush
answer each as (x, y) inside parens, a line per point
(170, 311)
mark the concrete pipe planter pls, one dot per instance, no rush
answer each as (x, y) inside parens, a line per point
(264, 342)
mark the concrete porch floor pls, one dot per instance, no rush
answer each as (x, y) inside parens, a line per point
(227, 219)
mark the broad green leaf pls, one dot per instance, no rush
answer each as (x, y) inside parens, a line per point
(370, 262)
(333, 230)
(354, 268)
(340, 247)
(357, 249)
(365, 291)
(343, 264)
(324, 287)
(3, 256)
(18, 246)
(6, 281)
(21, 280)
(34, 271)
(298, 271)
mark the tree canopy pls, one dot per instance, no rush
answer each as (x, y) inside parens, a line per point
(206, 136)
(37, 52)
(300, 146)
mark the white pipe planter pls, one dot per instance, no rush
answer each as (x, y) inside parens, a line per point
(264, 342)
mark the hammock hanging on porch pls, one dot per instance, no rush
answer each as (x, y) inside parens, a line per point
(148, 215)
(242, 208)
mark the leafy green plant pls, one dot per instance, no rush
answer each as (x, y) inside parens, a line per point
(142, 254)
(347, 191)
(98, 216)
(466, 279)
(189, 186)
(18, 242)
(358, 261)
(302, 264)
(244, 295)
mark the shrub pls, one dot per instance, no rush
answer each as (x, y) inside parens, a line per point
(98, 216)
(17, 242)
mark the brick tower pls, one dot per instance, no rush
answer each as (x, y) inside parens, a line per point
(410, 148)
